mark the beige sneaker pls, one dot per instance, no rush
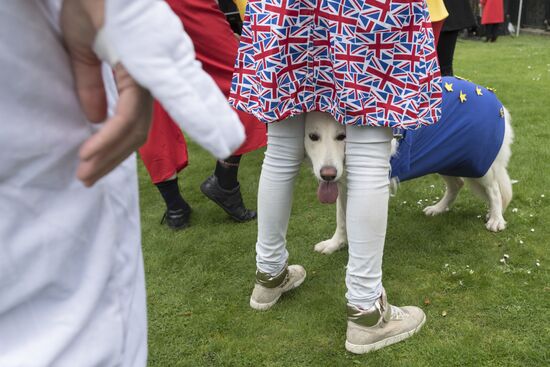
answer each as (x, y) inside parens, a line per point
(268, 289)
(381, 325)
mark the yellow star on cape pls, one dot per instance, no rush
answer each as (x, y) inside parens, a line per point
(462, 97)
(449, 87)
(478, 91)
(502, 112)
(491, 89)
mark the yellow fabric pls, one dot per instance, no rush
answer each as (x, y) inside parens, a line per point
(437, 10)
(241, 4)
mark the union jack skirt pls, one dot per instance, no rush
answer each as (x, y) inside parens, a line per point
(366, 62)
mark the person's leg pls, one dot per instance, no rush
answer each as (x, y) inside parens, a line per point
(164, 154)
(178, 211)
(226, 171)
(494, 32)
(490, 30)
(367, 167)
(283, 158)
(446, 50)
(170, 192)
(224, 189)
(372, 322)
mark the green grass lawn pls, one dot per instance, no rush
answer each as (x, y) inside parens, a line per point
(480, 311)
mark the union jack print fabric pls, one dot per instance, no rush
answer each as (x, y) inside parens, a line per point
(366, 62)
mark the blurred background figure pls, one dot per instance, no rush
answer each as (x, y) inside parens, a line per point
(492, 15)
(460, 17)
(547, 15)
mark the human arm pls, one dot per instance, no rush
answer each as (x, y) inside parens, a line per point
(146, 44)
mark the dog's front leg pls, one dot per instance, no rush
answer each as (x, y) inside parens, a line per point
(453, 186)
(339, 239)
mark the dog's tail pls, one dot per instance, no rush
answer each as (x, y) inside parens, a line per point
(504, 182)
(505, 186)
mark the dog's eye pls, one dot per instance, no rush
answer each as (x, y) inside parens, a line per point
(314, 136)
(341, 137)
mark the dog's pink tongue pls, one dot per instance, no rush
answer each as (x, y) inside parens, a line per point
(327, 192)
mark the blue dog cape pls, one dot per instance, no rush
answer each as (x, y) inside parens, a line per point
(464, 142)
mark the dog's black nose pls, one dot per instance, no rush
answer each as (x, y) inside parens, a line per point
(328, 173)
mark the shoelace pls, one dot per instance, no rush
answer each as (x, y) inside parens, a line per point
(397, 313)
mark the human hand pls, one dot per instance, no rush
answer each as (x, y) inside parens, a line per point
(128, 128)
(122, 134)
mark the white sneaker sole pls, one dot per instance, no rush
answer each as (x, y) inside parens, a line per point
(366, 348)
(266, 306)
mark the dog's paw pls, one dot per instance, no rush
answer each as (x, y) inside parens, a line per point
(495, 224)
(435, 209)
(329, 246)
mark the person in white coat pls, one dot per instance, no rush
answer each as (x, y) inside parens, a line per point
(72, 289)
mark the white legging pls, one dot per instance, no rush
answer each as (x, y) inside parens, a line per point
(367, 167)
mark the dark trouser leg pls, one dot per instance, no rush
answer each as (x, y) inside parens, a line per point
(446, 50)
(493, 32)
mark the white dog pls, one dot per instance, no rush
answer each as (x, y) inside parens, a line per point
(467, 141)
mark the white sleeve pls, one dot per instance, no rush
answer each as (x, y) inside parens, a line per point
(149, 40)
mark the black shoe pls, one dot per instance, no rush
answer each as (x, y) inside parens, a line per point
(229, 200)
(176, 218)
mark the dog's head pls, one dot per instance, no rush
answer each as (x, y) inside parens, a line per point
(325, 144)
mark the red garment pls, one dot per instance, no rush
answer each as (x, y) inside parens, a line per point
(165, 151)
(492, 11)
(437, 26)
